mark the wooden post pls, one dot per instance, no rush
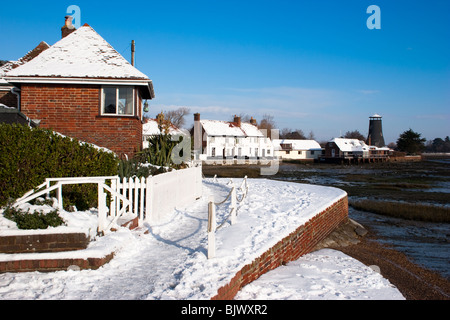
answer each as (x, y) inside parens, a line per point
(233, 205)
(148, 198)
(211, 230)
(102, 211)
(141, 205)
(59, 197)
(113, 197)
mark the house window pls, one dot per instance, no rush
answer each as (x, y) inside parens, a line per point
(213, 152)
(118, 101)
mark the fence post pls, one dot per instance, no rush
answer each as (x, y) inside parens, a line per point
(148, 197)
(141, 197)
(102, 209)
(233, 205)
(113, 197)
(59, 197)
(211, 229)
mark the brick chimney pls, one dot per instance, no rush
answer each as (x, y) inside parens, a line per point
(237, 120)
(68, 28)
(253, 122)
(196, 116)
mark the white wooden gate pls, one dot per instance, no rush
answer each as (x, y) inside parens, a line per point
(150, 198)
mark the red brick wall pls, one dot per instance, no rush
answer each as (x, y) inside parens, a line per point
(300, 242)
(43, 243)
(74, 111)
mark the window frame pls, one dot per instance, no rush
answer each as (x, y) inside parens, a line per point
(102, 102)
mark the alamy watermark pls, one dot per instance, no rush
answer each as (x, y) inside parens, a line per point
(75, 12)
(374, 20)
(268, 165)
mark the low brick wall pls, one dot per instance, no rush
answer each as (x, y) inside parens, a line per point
(50, 265)
(300, 242)
(43, 243)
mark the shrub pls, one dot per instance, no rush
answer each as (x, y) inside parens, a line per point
(35, 220)
(29, 156)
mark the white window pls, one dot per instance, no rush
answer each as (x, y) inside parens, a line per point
(118, 101)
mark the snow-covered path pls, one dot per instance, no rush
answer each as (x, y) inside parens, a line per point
(170, 261)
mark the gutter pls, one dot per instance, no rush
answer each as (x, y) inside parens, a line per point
(16, 91)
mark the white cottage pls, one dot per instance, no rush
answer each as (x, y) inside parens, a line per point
(290, 149)
(223, 139)
(151, 128)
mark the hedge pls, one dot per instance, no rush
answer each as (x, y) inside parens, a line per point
(29, 156)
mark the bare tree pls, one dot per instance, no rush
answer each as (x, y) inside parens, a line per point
(244, 117)
(354, 135)
(177, 117)
(267, 123)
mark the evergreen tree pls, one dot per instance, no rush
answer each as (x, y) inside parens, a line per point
(411, 142)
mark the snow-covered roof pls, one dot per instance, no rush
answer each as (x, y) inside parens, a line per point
(355, 145)
(150, 128)
(351, 145)
(297, 144)
(81, 55)
(10, 65)
(231, 129)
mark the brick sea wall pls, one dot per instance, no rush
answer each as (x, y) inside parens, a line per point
(300, 242)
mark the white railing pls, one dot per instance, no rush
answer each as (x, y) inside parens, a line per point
(149, 199)
(232, 215)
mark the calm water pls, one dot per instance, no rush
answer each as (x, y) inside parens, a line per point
(427, 244)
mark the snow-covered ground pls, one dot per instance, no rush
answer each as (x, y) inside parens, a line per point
(170, 262)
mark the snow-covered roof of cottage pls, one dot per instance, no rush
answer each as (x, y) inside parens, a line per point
(297, 144)
(150, 128)
(351, 145)
(230, 129)
(82, 56)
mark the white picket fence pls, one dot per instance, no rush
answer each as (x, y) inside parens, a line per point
(149, 199)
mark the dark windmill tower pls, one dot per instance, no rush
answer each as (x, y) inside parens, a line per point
(375, 137)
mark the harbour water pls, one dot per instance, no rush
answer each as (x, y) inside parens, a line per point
(425, 243)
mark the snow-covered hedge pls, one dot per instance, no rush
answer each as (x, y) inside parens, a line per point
(28, 156)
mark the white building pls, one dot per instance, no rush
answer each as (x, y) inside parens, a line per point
(229, 140)
(150, 128)
(291, 149)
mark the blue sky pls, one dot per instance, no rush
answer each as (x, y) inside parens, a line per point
(312, 65)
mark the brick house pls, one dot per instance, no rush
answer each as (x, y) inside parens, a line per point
(83, 88)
